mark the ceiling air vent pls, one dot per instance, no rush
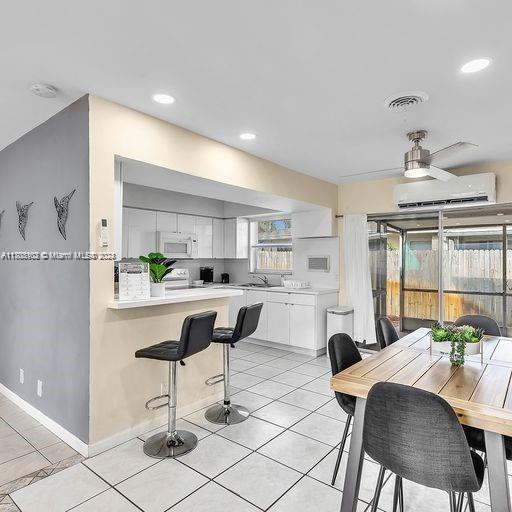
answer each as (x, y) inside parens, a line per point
(406, 100)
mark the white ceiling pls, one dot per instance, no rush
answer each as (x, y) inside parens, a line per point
(308, 77)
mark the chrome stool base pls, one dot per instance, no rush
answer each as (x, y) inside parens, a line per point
(164, 445)
(226, 415)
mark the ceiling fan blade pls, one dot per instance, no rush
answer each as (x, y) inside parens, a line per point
(440, 174)
(449, 151)
(392, 171)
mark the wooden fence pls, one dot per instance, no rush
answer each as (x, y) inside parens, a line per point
(464, 270)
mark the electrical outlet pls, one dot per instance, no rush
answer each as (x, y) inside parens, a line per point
(22, 376)
(39, 388)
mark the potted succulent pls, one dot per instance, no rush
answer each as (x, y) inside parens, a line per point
(159, 267)
(456, 341)
(442, 337)
(472, 338)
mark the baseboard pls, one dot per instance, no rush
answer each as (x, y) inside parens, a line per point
(137, 430)
(50, 424)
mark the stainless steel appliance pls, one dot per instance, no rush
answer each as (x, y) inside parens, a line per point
(206, 274)
(177, 278)
(177, 245)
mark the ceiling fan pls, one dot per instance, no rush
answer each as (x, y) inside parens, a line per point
(420, 162)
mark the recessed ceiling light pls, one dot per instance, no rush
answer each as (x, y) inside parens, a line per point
(247, 136)
(164, 99)
(43, 90)
(475, 65)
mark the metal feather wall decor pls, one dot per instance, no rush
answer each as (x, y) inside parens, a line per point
(23, 217)
(62, 208)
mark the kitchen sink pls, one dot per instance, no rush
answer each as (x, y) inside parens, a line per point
(259, 285)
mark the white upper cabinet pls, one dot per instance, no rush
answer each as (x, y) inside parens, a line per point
(166, 221)
(139, 232)
(236, 238)
(186, 223)
(204, 232)
(218, 238)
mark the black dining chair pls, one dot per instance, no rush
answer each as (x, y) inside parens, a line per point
(386, 332)
(475, 436)
(343, 353)
(416, 435)
(486, 323)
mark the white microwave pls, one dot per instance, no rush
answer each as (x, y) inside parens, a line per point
(177, 245)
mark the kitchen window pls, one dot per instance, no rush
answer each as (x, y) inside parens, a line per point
(271, 246)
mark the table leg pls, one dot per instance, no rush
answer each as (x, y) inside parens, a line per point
(498, 475)
(355, 460)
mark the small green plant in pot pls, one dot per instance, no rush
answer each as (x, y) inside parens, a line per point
(456, 341)
(159, 267)
(471, 337)
(442, 337)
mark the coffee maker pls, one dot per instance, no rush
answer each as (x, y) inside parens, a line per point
(206, 274)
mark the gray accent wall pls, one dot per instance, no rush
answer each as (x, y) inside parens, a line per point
(44, 305)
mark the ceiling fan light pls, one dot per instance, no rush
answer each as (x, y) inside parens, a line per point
(418, 172)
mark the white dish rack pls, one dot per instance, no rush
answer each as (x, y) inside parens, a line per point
(296, 285)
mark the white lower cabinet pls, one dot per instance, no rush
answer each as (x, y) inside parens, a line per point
(278, 329)
(254, 296)
(288, 318)
(302, 325)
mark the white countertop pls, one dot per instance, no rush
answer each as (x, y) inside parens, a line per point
(305, 291)
(177, 296)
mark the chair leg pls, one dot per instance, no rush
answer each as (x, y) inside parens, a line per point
(378, 489)
(396, 493)
(453, 502)
(401, 494)
(342, 446)
(460, 502)
(226, 413)
(471, 503)
(172, 443)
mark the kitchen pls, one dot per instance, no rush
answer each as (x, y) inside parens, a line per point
(286, 259)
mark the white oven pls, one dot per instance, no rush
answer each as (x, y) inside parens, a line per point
(177, 245)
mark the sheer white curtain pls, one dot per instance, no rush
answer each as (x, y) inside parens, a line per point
(357, 276)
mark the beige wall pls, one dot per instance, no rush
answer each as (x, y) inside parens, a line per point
(119, 384)
(377, 197)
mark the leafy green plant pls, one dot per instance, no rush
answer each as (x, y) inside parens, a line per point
(159, 265)
(458, 337)
(442, 333)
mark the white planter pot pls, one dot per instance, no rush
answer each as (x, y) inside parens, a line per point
(472, 349)
(157, 289)
(444, 347)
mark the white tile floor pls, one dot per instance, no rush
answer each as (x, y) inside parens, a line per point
(281, 459)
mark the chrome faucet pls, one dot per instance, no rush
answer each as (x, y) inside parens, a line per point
(263, 278)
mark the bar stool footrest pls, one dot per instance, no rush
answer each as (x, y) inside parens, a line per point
(155, 407)
(214, 380)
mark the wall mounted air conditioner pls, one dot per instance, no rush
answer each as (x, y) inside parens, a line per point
(475, 189)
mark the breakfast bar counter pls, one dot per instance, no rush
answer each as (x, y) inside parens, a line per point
(176, 297)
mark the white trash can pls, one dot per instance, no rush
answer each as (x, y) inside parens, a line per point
(340, 319)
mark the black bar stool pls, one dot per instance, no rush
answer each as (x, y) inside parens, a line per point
(196, 336)
(246, 324)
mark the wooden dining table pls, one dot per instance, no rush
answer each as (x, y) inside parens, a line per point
(480, 393)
